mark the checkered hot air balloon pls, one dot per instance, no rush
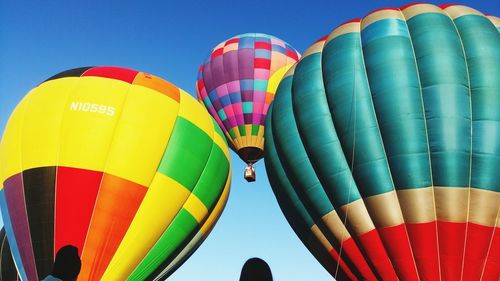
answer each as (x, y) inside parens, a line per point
(237, 83)
(383, 146)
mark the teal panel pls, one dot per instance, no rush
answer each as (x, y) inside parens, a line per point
(260, 85)
(293, 156)
(318, 134)
(353, 114)
(481, 42)
(222, 114)
(396, 95)
(247, 106)
(445, 91)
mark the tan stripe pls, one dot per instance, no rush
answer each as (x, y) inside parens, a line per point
(494, 20)
(417, 204)
(384, 209)
(290, 71)
(335, 226)
(358, 219)
(315, 48)
(344, 29)
(380, 15)
(419, 9)
(484, 206)
(318, 236)
(457, 11)
(451, 203)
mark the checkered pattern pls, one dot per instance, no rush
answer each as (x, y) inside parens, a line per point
(233, 83)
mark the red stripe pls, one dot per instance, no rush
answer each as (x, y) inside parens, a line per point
(76, 191)
(262, 63)
(216, 53)
(492, 268)
(350, 21)
(118, 73)
(231, 41)
(290, 53)
(321, 39)
(451, 249)
(375, 254)
(351, 250)
(423, 239)
(476, 249)
(263, 45)
(342, 264)
(115, 209)
(398, 248)
(444, 6)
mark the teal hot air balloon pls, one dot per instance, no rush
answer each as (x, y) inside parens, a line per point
(237, 84)
(383, 146)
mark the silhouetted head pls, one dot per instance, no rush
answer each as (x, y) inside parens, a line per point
(67, 265)
(256, 269)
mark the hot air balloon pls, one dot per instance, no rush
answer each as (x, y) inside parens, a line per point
(237, 83)
(121, 164)
(382, 146)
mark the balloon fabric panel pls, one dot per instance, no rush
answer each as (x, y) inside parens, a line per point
(84, 150)
(413, 122)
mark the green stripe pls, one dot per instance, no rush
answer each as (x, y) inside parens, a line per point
(445, 91)
(242, 130)
(293, 156)
(213, 178)
(186, 154)
(168, 245)
(351, 106)
(318, 133)
(255, 130)
(397, 99)
(481, 43)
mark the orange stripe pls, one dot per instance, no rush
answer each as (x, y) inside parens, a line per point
(116, 205)
(157, 84)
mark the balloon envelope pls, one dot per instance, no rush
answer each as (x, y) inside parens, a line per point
(382, 146)
(237, 83)
(121, 164)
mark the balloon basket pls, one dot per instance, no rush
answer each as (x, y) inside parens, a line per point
(249, 173)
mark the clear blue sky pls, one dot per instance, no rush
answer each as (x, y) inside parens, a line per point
(170, 39)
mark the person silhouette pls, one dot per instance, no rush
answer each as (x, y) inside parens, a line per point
(256, 269)
(66, 266)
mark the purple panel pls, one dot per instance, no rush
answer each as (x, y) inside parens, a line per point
(231, 66)
(217, 105)
(14, 195)
(239, 119)
(226, 123)
(245, 62)
(217, 67)
(232, 121)
(207, 77)
(248, 118)
(246, 95)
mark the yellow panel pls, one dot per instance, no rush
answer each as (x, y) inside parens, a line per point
(89, 122)
(219, 207)
(196, 208)
(275, 79)
(161, 204)
(196, 113)
(10, 147)
(142, 133)
(42, 122)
